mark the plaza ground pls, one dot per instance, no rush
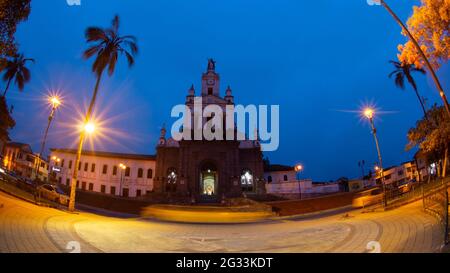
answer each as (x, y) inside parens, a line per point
(25, 227)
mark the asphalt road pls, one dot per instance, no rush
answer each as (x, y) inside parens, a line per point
(25, 227)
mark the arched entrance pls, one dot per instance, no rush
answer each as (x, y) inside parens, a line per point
(208, 180)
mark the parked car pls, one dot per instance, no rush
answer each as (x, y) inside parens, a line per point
(3, 176)
(368, 198)
(406, 187)
(52, 193)
(8, 177)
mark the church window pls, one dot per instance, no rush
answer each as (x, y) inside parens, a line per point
(149, 173)
(210, 90)
(285, 178)
(247, 180)
(171, 180)
(140, 173)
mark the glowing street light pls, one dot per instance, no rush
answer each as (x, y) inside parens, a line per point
(55, 103)
(369, 114)
(298, 169)
(122, 167)
(89, 128)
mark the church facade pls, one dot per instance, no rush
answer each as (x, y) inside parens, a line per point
(209, 169)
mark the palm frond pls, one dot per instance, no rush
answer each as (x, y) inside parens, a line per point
(26, 74)
(133, 46)
(400, 80)
(95, 34)
(20, 82)
(420, 70)
(115, 23)
(396, 64)
(88, 53)
(112, 62)
(130, 58)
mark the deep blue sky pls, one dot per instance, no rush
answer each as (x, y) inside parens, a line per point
(313, 58)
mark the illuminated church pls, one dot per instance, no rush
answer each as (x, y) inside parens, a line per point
(209, 170)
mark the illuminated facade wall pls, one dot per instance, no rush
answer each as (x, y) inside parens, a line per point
(101, 172)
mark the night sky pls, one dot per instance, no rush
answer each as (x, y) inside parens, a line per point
(316, 59)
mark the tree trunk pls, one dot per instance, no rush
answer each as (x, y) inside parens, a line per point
(421, 103)
(73, 185)
(444, 166)
(7, 87)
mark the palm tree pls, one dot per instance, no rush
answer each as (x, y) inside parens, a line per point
(106, 45)
(404, 70)
(16, 70)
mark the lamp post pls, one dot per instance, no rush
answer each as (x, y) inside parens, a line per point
(369, 113)
(298, 170)
(88, 128)
(122, 167)
(55, 103)
(421, 53)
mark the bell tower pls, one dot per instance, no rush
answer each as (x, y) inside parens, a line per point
(210, 80)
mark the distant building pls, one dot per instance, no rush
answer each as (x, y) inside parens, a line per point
(19, 158)
(279, 173)
(359, 184)
(398, 175)
(282, 181)
(101, 172)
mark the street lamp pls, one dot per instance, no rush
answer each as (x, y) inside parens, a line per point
(418, 48)
(87, 128)
(55, 102)
(369, 114)
(298, 169)
(122, 167)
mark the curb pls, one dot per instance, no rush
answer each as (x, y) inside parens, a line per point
(105, 212)
(312, 214)
(19, 197)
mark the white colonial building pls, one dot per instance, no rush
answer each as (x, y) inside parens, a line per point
(399, 175)
(283, 181)
(127, 175)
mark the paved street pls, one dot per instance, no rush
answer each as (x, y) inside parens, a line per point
(25, 227)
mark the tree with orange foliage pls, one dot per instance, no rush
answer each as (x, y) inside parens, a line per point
(429, 24)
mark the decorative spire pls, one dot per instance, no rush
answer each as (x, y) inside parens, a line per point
(211, 65)
(228, 91)
(192, 90)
